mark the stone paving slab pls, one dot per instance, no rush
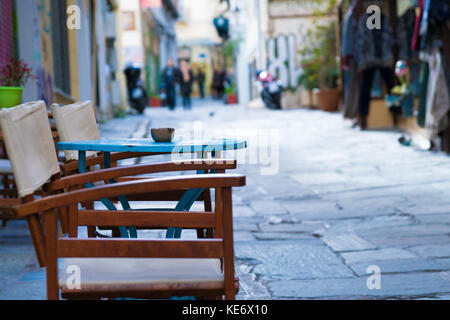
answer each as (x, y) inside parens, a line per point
(347, 242)
(292, 260)
(400, 266)
(381, 254)
(432, 250)
(408, 241)
(392, 286)
(267, 207)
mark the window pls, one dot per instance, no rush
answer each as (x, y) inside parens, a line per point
(61, 68)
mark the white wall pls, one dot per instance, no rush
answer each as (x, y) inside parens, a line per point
(29, 42)
(84, 40)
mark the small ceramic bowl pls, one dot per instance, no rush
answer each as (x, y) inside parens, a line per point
(163, 134)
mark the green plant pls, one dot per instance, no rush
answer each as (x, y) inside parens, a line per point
(319, 62)
(231, 89)
(15, 74)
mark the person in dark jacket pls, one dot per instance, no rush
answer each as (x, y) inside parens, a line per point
(201, 82)
(170, 77)
(186, 81)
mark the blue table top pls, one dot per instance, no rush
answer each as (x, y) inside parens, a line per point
(148, 145)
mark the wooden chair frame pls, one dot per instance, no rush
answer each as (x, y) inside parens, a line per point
(59, 184)
(221, 219)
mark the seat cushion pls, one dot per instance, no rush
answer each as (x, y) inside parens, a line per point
(125, 275)
(5, 166)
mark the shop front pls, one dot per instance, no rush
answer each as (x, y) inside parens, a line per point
(397, 74)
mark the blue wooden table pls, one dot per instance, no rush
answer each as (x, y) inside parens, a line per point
(178, 146)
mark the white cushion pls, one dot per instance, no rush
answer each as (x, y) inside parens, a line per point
(140, 273)
(5, 166)
(30, 146)
(76, 122)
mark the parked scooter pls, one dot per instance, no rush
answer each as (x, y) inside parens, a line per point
(137, 95)
(271, 90)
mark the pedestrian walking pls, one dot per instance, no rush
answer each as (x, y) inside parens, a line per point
(201, 82)
(186, 81)
(170, 77)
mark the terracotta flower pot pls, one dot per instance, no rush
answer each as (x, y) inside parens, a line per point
(328, 99)
(232, 99)
(10, 96)
(155, 102)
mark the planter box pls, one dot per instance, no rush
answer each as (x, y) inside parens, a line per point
(10, 96)
(328, 99)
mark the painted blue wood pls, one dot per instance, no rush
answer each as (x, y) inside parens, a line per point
(132, 231)
(106, 202)
(148, 145)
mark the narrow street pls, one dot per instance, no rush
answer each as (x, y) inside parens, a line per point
(342, 200)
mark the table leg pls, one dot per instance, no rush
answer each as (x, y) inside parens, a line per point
(188, 200)
(123, 200)
(81, 161)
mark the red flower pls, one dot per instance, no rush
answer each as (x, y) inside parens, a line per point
(15, 74)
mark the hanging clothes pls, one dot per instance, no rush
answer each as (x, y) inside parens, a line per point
(374, 46)
(438, 98)
(351, 100)
(368, 76)
(349, 33)
(405, 37)
(374, 52)
(418, 11)
(424, 77)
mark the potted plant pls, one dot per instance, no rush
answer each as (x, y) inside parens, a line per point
(230, 92)
(13, 78)
(308, 79)
(155, 101)
(320, 66)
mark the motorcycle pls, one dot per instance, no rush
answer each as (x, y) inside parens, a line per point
(137, 95)
(271, 90)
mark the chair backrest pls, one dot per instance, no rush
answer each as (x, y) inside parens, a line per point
(30, 146)
(76, 122)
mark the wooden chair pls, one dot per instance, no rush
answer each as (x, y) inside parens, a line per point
(77, 122)
(112, 268)
(31, 150)
(8, 188)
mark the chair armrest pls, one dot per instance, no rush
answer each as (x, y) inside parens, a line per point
(72, 166)
(134, 170)
(127, 188)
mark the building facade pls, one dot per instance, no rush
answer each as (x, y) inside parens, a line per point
(71, 46)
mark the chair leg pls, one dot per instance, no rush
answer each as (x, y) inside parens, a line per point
(208, 233)
(37, 236)
(64, 218)
(92, 231)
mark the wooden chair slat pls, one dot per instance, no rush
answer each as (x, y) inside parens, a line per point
(134, 170)
(146, 219)
(120, 248)
(127, 188)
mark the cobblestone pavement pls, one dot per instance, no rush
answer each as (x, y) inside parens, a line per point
(342, 201)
